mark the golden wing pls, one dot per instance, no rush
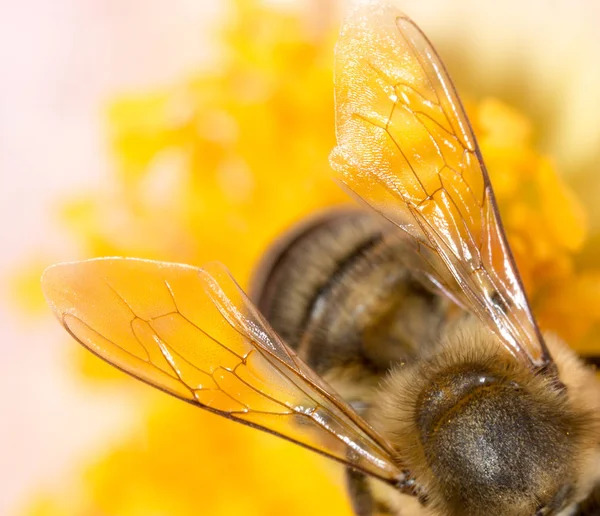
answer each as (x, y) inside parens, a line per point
(405, 146)
(194, 334)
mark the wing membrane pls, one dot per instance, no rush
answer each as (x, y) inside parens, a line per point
(194, 334)
(406, 147)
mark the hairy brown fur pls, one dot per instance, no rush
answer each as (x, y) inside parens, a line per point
(481, 433)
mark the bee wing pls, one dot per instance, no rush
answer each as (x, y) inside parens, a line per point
(405, 146)
(194, 334)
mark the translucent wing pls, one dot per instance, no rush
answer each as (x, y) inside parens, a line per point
(194, 334)
(405, 146)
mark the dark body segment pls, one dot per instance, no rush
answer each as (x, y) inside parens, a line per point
(334, 290)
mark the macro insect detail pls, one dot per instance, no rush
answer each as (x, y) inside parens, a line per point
(396, 339)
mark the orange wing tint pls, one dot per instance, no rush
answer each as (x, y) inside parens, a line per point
(405, 146)
(194, 334)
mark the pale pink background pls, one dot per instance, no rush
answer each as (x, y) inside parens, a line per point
(61, 60)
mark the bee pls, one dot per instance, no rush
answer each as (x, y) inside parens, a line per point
(397, 341)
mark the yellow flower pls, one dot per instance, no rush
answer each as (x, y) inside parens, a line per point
(183, 461)
(545, 223)
(218, 166)
(215, 168)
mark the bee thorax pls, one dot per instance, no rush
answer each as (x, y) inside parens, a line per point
(480, 433)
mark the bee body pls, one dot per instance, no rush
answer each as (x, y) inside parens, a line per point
(432, 380)
(335, 289)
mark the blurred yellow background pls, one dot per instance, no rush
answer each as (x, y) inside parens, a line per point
(191, 131)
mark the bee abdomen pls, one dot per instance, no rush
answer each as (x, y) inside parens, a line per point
(300, 270)
(337, 290)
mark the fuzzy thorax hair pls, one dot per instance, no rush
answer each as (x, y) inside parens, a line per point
(482, 434)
